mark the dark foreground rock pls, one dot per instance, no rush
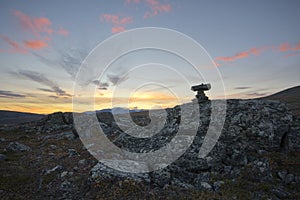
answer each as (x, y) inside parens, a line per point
(253, 131)
(256, 157)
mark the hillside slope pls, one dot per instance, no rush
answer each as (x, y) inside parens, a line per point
(289, 96)
(12, 117)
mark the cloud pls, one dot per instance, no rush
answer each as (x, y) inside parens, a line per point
(256, 94)
(62, 31)
(40, 78)
(39, 27)
(15, 46)
(116, 79)
(117, 29)
(291, 54)
(70, 60)
(101, 85)
(10, 94)
(118, 22)
(35, 44)
(34, 25)
(284, 47)
(242, 88)
(156, 8)
(240, 55)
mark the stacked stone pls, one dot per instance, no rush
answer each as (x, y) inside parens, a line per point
(201, 97)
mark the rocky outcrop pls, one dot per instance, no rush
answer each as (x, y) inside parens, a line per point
(253, 130)
(17, 147)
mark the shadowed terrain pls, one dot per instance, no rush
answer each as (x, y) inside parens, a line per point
(291, 96)
(256, 157)
(12, 117)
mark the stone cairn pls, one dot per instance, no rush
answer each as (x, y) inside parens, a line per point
(200, 97)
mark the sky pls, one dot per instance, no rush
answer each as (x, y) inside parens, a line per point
(253, 46)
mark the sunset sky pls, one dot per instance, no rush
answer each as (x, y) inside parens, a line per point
(254, 44)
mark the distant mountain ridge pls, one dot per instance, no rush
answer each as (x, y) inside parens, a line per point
(13, 117)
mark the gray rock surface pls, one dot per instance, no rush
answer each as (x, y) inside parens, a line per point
(252, 128)
(17, 147)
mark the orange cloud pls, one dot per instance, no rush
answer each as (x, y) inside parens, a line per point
(235, 57)
(156, 8)
(39, 27)
(240, 55)
(15, 46)
(35, 44)
(119, 23)
(117, 29)
(284, 47)
(297, 47)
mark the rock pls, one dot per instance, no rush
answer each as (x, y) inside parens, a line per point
(101, 172)
(160, 177)
(280, 193)
(282, 174)
(17, 147)
(205, 186)
(56, 168)
(53, 147)
(203, 177)
(217, 185)
(72, 152)
(252, 129)
(2, 157)
(69, 135)
(289, 178)
(82, 163)
(63, 174)
(66, 186)
(2, 139)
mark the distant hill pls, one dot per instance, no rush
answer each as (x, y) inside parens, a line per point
(290, 96)
(12, 117)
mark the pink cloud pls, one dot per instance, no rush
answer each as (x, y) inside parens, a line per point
(15, 46)
(117, 29)
(284, 47)
(156, 8)
(234, 57)
(291, 54)
(115, 19)
(37, 25)
(118, 23)
(297, 47)
(35, 44)
(241, 55)
(33, 25)
(62, 31)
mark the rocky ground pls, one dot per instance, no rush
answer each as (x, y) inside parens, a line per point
(256, 157)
